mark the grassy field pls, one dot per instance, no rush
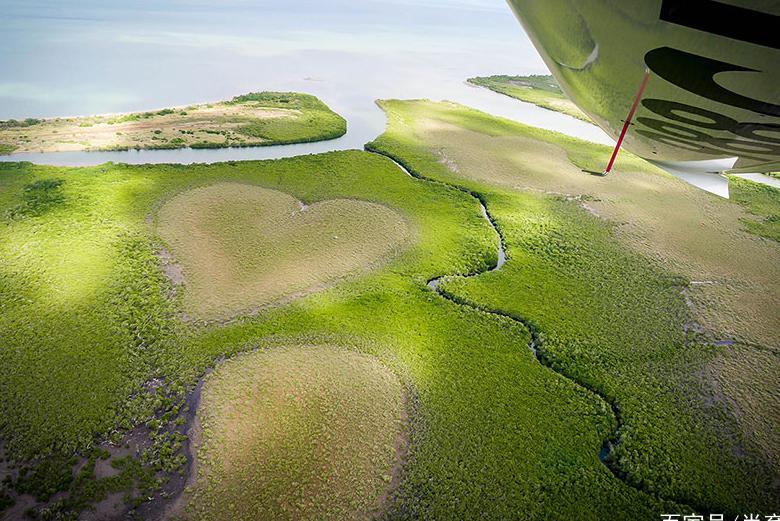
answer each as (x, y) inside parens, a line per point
(537, 89)
(263, 118)
(242, 247)
(762, 201)
(309, 432)
(610, 271)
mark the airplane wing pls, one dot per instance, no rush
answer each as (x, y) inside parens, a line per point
(714, 85)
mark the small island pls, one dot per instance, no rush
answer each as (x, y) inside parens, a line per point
(254, 119)
(541, 90)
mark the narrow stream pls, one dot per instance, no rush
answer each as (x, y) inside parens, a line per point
(536, 343)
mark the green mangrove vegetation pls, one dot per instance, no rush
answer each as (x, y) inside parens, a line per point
(762, 201)
(255, 119)
(650, 308)
(90, 330)
(611, 315)
(541, 90)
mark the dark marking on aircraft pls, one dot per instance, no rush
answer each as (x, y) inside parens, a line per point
(708, 119)
(696, 73)
(754, 142)
(690, 127)
(726, 20)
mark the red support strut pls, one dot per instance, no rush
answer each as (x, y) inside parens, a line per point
(628, 121)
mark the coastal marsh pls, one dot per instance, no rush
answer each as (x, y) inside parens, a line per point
(609, 272)
(477, 440)
(537, 89)
(762, 202)
(255, 119)
(633, 339)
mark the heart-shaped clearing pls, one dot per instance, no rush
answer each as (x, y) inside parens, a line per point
(297, 432)
(242, 246)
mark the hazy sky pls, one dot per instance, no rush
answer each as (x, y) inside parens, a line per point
(64, 58)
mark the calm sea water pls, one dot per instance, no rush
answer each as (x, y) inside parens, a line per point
(101, 57)
(70, 58)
